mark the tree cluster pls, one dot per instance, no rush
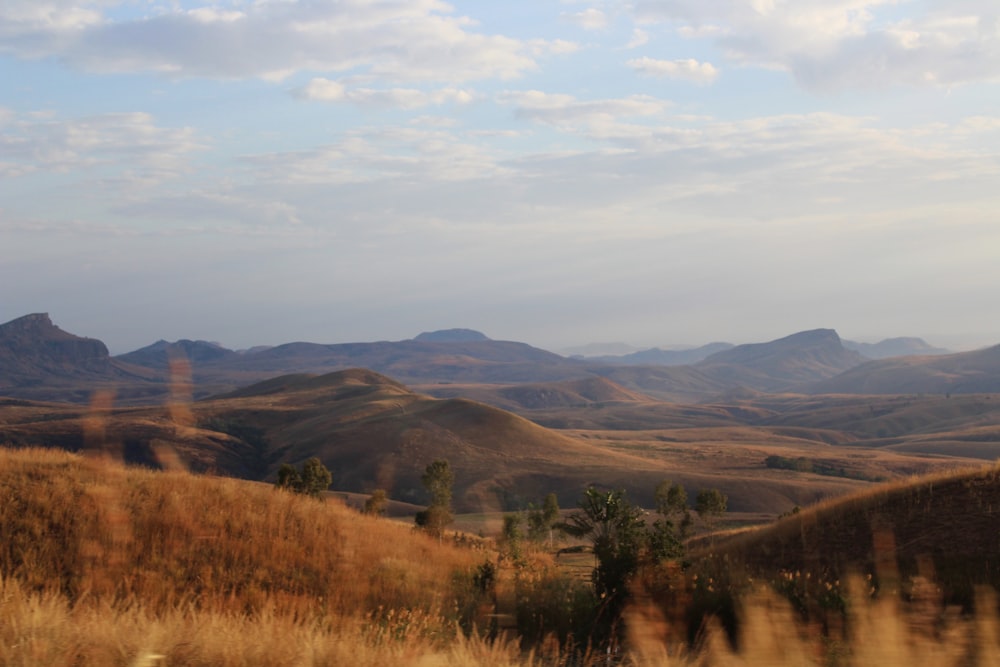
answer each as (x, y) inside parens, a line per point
(622, 539)
(541, 522)
(437, 479)
(312, 480)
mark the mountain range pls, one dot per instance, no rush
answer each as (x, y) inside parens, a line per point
(40, 361)
(516, 422)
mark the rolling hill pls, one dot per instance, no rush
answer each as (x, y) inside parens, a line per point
(659, 357)
(373, 432)
(783, 364)
(894, 347)
(942, 527)
(972, 372)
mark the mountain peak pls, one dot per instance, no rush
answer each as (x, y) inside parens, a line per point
(451, 336)
(33, 342)
(812, 336)
(806, 356)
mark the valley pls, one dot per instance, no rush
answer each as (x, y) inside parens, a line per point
(812, 482)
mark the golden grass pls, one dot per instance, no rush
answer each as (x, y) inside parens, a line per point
(90, 528)
(43, 629)
(102, 565)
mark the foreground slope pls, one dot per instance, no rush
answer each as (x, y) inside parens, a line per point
(88, 527)
(944, 527)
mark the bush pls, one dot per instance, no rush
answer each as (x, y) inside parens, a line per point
(314, 479)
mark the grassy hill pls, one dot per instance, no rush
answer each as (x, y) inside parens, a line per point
(961, 373)
(373, 432)
(782, 364)
(102, 564)
(943, 528)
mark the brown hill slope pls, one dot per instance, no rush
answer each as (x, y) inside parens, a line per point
(975, 372)
(941, 526)
(92, 530)
(782, 364)
(582, 393)
(373, 432)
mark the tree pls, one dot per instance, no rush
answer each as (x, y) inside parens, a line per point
(437, 479)
(666, 540)
(541, 521)
(377, 503)
(314, 478)
(288, 477)
(617, 532)
(710, 504)
(671, 498)
(510, 541)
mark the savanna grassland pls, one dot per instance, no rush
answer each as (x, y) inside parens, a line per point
(144, 528)
(108, 565)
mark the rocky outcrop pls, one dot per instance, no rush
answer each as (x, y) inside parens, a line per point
(34, 343)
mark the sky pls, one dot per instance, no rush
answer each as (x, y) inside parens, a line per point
(657, 172)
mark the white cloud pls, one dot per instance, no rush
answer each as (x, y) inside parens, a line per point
(389, 39)
(689, 70)
(639, 38)
(845, 43)
(326, 90)
(25, 17)
(588, 19)
(129, 144)
(555, 108)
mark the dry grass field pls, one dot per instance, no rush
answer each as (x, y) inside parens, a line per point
(106, 565)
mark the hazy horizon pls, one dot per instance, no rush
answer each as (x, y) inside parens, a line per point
(660, 172)
(565, 349)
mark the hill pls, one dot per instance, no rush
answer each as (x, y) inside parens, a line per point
(782, 364)
(583, 393)
(660, 357)
(373, 432)
(894, 347)
(159, 354)
(106, 565)
(972, 372)
(39, 360)
(942, 527)
(451, 336)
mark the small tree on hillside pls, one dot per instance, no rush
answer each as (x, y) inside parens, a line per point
(312, 480)
(510, 539)
(666, 538)
(438, 480)
(710, 505)
(617, 531)
(541, 521)
(377, 503)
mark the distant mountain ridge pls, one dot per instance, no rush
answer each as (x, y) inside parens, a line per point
(159, 354)
(34, 341)
(782, 364)
(972, 372)
(894, 347)
(451, 336)
(39, 361)
(661, 357)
